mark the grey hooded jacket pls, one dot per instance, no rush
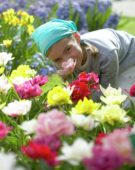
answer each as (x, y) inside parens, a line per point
(117, 53)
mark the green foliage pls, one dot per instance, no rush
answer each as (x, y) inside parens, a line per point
(52, 14)
(74, 16)
(54, 80)
(96, 19)
(127, 24)
(16, 28)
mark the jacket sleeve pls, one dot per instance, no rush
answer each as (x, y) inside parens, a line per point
(109, 69)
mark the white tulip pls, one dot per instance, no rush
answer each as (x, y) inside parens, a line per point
(29, 126)
(112, 95)
(8, 162)
(17, 108)
(4, 58)
(76, 152)
(86, 122)
(4, 84)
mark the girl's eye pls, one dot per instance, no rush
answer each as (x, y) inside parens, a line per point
(57, 60)
(68, 49)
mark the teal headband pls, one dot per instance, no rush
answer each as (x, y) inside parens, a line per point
(49, 33)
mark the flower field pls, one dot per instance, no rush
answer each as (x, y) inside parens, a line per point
(46, 123)
(49, 124)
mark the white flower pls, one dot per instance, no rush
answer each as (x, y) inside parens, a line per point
(8, 162)
(4, 58)
(83, 121)
(69, 90)
(17, 108)
(75, 153)
(110, 91)
(112, 95)
(29, 126)
(4, 85)
(19, 80)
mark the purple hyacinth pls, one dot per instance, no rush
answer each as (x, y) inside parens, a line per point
(63, 11)
(22, 3)
(82, 17)
(112, 22)
(103, 5)
(4, 6)
(42, 11)
(16, 5)
(42, 8)
(78, 14)
(43, 71)
(86, 4)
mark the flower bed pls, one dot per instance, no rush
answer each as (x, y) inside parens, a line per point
(46, 123)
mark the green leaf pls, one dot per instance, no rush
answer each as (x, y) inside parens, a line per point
(43, 165)
(1, 70)
(53, 12)
(2, 105)
(12, 94)
(54, 80)
(124, 21)
(96, 19)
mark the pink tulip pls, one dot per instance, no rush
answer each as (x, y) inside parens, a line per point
(31, 88)
(54, 123)
(4, 130)
(40, 80)
(119, 141)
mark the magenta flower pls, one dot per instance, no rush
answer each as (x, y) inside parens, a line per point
(103, 159)
(31, 88)
(27, 90)
(132, 90)
(40, 80)
(53, 123)
(4, 130)
(119, 141)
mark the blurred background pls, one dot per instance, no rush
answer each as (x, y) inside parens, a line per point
(19, 18)
(126, 9)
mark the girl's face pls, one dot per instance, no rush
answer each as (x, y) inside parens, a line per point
(66, 50)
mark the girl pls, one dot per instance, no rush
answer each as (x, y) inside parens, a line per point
(107, 52)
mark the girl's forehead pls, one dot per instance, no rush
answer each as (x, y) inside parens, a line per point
(58, 47)
(62, 42)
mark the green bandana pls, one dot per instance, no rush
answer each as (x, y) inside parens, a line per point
(49, 33)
